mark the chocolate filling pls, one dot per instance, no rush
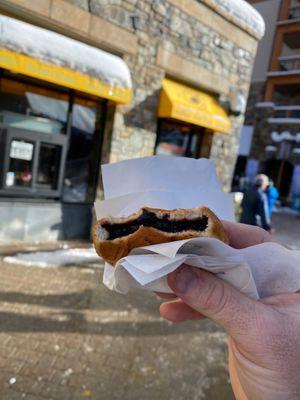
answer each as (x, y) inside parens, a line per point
(152, 220)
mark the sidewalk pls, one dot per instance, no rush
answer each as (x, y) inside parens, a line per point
(64, 336)
(287, 228)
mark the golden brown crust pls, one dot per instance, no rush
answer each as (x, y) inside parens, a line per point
(113, 250)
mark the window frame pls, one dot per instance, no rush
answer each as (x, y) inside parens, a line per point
(36, 138)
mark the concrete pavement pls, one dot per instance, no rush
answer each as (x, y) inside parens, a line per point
(65, 336)
(287, 228)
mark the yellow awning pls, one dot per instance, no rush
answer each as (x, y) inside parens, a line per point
(61, 76)
(190, 105)
(42, 54)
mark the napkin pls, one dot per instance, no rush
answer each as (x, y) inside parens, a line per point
(176, 182)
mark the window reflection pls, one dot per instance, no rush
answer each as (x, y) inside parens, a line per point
(21, 107)
(177, 140)
(40, 114)
(79, 154)
(48, 166)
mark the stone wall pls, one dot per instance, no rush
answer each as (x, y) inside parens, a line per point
(158, 24)
(224, 152)
(256, 95)
(261, 133)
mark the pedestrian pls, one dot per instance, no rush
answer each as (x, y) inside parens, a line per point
(264, 335)
(255, 209)
(272, 195)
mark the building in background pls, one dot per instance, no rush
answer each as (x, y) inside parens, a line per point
(88, 82)
(270, 140)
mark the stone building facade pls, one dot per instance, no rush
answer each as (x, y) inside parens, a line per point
(202, 43)
(206, 44)
(175, 39)
(209, 45)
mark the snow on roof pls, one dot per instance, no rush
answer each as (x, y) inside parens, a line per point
(240, 13)
(58, 49)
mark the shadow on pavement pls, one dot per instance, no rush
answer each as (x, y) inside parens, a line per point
(75, 322)
(87, 299)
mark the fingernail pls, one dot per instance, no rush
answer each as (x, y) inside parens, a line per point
(184, 280)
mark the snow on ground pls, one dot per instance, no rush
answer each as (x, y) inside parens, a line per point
(58, 49)
(56, 258)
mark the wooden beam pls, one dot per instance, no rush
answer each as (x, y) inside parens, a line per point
(277, 81)
(284, 9)
(276, 53)
(269, 92)
(289, 27)
(284, 80)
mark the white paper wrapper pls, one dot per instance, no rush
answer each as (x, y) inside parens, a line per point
(171, 182)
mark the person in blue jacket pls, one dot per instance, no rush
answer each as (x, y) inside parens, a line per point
(272, 195)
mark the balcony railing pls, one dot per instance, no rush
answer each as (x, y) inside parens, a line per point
(285, 115)
(289, 63)
(286, 112)
(294, 12)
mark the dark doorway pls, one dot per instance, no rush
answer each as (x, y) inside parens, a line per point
(281, 172)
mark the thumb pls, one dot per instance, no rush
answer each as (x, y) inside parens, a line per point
(216, 299)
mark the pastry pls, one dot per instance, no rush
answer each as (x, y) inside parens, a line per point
(114, 238)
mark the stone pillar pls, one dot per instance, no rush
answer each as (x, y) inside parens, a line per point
(224, 151)
(261, 130)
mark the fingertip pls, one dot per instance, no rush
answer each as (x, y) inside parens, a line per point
(163, 309)
(177, 311)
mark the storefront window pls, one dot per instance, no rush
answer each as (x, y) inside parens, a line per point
(50, 140)
(177, 139)
(20, 164)
(78, 164)
(25, 106)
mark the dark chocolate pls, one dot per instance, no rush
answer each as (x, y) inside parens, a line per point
(150, 219)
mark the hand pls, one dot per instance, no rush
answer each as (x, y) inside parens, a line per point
(264, 343)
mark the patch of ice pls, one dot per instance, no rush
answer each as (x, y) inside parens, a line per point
(68, 372)
(56, 258)
(12, 380)
(87, 348)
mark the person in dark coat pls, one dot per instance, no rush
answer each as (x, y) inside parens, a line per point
(255, 204)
